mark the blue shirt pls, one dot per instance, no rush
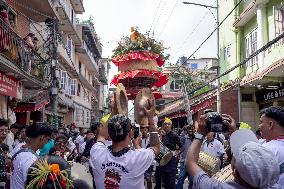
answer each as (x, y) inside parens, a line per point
(46, 148)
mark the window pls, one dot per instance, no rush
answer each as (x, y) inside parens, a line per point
(227, 52)
(251, 47)
(69, 46)
(79, 90)
(194, 66)
(279, 21)
(80, 67)
(175, 85)
(63, 80)
(73, 86)
(68, 89)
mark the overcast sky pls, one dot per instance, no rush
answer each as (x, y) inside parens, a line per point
(181, 27)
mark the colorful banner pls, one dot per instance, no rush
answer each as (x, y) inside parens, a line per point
(8, 85)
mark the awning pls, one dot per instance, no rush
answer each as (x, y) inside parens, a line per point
(33, 101)
(203, 105)
(172, 108)
(31, 107)
(174, 115)
(274, 72)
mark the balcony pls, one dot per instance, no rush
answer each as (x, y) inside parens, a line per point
(248, 11)
(78, 6)
(86, 56)
(67, 20)
(19, 60)
(66, 60)
(45, 7)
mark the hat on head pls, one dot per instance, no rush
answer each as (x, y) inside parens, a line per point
(256, 165)
(105, 119)
(168, 120)
(244, 125)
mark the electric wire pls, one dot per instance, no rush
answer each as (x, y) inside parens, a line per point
(168, 19)
(161, 12)
(242, 63)
(192, 32)
(155, 15)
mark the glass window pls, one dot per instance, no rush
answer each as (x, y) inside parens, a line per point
(63, 80)
(251, 47)
(73, 86)
(279, 21)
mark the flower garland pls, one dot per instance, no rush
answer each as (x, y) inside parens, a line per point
(43, 171)
(138, 42)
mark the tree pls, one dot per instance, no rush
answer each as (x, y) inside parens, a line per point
(191, 78)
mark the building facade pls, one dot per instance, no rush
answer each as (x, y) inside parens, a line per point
(78, 54)
(259, 81)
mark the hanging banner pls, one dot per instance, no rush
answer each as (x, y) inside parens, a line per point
(8, 85)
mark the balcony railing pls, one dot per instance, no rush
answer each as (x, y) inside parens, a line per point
(17, 51)
(90, 54)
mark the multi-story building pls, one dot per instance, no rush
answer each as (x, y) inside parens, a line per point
(253, 24)
(77, 62)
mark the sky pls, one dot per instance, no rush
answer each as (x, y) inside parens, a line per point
(181, 27)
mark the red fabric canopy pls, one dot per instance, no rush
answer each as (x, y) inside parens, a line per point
(30, 107)
(162, 78)
(139, 55)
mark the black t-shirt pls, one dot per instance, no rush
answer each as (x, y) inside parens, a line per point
(171, 140)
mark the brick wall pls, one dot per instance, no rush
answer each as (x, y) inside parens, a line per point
(22, 23)
(229, 103)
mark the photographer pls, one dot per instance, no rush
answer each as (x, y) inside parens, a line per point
(253, 166)
(116, 166)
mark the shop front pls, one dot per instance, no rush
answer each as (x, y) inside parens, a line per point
(270, 97)
(10, 91)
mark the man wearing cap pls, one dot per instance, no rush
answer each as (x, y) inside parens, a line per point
(117, 166)
(272, 130)
(253, 165)
(167, 173)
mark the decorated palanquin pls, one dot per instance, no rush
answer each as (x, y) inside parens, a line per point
(138, 58)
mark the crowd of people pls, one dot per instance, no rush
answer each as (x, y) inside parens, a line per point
(39, 156)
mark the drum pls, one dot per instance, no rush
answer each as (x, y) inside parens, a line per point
(79, 171)
(164, 156)
(224, 175)
(208, 163)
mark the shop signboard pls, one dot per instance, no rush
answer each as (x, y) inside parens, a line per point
(267, 95)
(8, 85)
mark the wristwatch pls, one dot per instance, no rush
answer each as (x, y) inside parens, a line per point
(199, 136)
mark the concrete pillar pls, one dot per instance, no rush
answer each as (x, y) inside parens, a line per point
(262, 36)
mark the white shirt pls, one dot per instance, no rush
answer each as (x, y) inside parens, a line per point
(10, 140)
(80, 140)
(277, 147)
(145, 142)
(21, 165)
(214, 148)
(16, 149)
(124, 172)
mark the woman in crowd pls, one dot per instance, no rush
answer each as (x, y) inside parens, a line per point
(60, 146)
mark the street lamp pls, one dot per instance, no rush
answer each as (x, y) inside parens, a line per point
(218, 51)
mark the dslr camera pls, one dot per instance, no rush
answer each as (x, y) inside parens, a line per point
(215, 122)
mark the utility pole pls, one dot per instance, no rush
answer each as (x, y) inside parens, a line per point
(53, 28)
(219, 106)
(218, 50)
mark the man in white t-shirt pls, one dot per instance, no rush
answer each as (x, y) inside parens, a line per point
(272, 130)
(80, 141)
(213, 146)
(117, 166)
(38, 134)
